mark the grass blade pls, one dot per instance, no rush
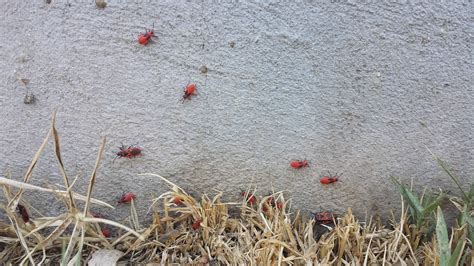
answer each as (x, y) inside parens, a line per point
(93, 175)
(442, 238)
(57, 151)
(134, 216)
(457, 253)
(72, 242)
(409, 196)
(413, 201)
(105, 221)
(471, 194)
(433, 205)
(21, 185)
(445, 167)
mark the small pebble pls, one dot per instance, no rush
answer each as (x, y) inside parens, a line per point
(29, 98)
(25, 81)
(203, 69)
(100, 3)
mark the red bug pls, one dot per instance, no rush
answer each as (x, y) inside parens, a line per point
(127, 197)
(264, 207)
(324, 217)
(134, 151)
(189, 90)
(144, 38)
(250, 199)
(96, 215)
(23, 212)
(274, 203)
(279, 205)
(130, 152)
(271, 201)
(196, 224)
(105, 232)
(329, 179)
(297, 164)
(178, 201)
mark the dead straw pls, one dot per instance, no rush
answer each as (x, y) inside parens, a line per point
(200, 231)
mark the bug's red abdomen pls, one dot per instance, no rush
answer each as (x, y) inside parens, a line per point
(297, 164)
(23, 212)
(279, 205)
(324, 217)
(106, 232)
(190, 89)
(178, 201)
(127, 197)
(135, 151)
(250, 198)
(328, 180)
(143, 39)
(196, 224)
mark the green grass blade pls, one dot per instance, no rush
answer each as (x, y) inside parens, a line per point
(470, 220)
(462, 216)
(463, 259)
(445, 167)
(412, 199)
(470, 235)
(471, 194)
(442, 238)
(470, 227)
(457, 253)
(433, 205)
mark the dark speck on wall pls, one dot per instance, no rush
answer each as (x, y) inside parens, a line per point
(203, 69)
(29, 98)
(100, 3)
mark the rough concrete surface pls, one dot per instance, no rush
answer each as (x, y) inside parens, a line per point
(359, 87)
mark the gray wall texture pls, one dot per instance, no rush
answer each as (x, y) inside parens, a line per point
(359, 87)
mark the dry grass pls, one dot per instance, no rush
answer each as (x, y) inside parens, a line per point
(187, 230)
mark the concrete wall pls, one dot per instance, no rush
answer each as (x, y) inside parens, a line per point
(360, 87)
